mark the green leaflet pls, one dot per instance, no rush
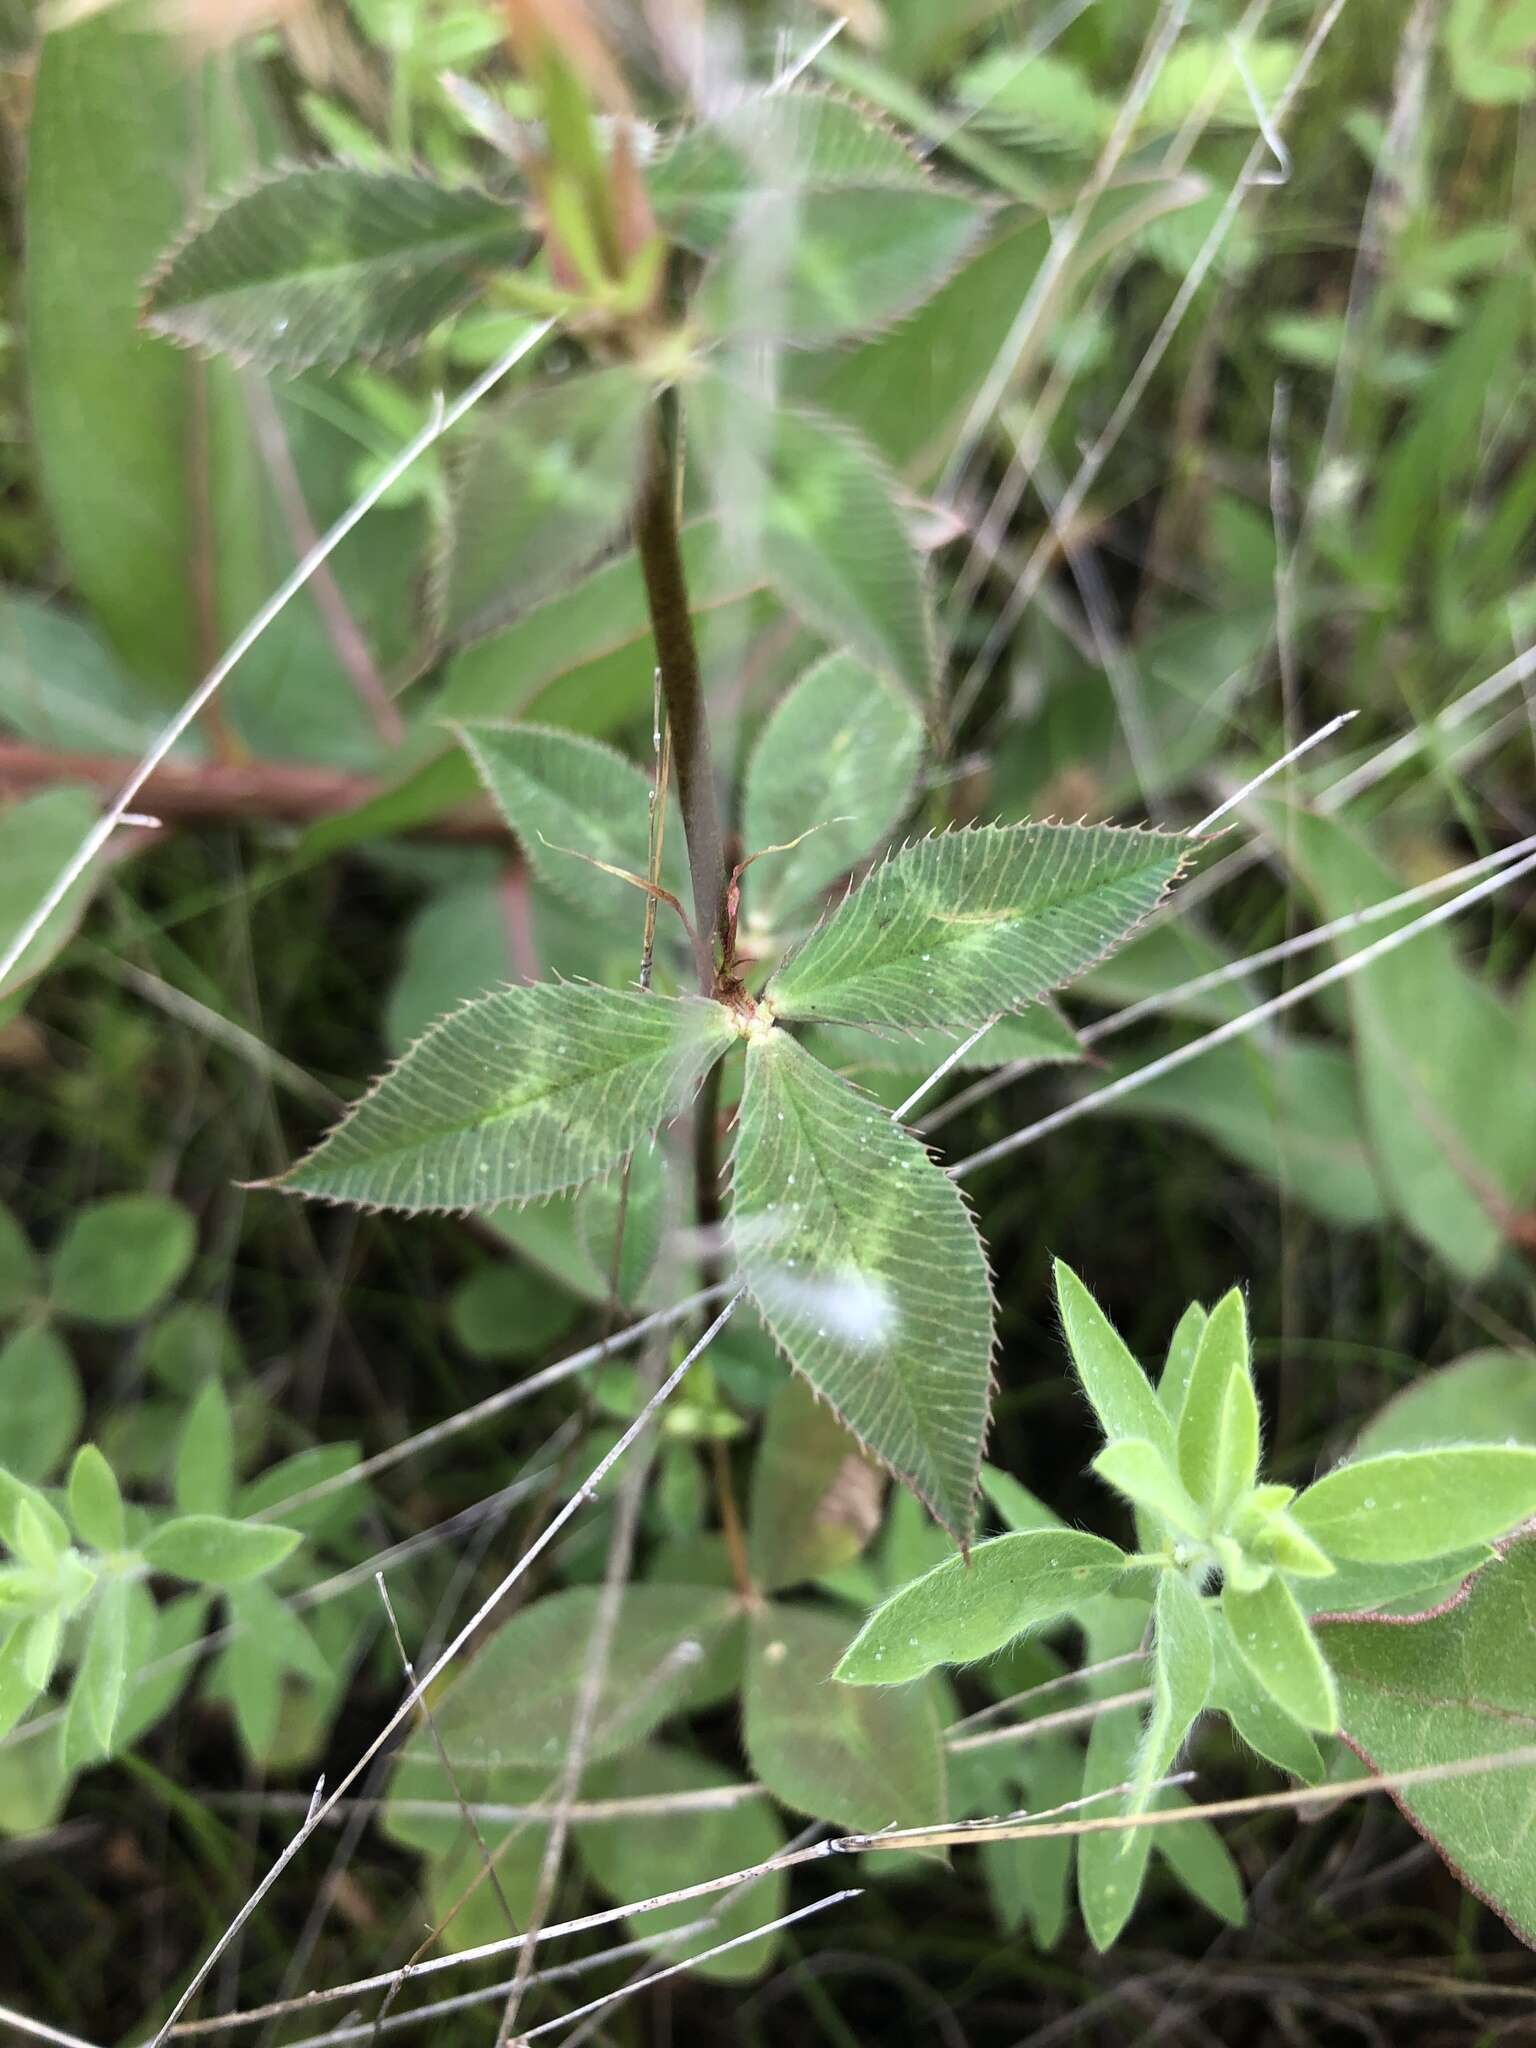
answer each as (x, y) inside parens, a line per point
(816, 1498)
(962, 925)
(1143, 1472)
(1258, 1718)
(1112, 1866)
(204, 1481)
(1407, 1505)
(864, 1262)
(40, 1401)
(20, 1274)
(1182, 1672)
(120, 1257)
(819, 266)
(328, 263)
(859, 1757)
(519, 1094)
(543, 483)
(1198, 1857)
(1039, 1035)
(1219, 1419)
(1458, 1684)
(38, 836)
(212, 1551)
(564, 795)
(1119, 1390)
(1183, 1348)
(711, 174)
(1271, 1636)
(638, 1857)
(103, 1669)
(836, 760)
(95, 1503)
(809, 509)
(966, 1608)
(60, 685)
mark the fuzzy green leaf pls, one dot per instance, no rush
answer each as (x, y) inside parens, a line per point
(1407, 1505)
(20, 1277)
(1032, 1880)
(813, 267)
(836, 760)
(1111, 1867)
(205, 1455)
(1183, 1347)
(857, 1757)
(866, 1266)
(1271, 1636)
(816, 1498)
(212, 1551)
(329, 263)
(1458, 1684)
(1182, 1672)
(538, 1660)
(1198, 1857)
(959, 926)
(808, 508)
(1119, 1390)
(37, 836)
(1219, 1419)
(967, 1608)
(95, 1501)
(98, 1688)
(519, 1094)
(1488, 1397)
(1143, 1472)
(1257, 1717)
(714, 172)
(40, 1401)
(563, 794)
(1039, 1035)
(119, 1258)
(543, 484)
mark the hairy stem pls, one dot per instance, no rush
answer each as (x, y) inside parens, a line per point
(677, 657)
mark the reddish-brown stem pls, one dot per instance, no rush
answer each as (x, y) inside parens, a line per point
(677, 657)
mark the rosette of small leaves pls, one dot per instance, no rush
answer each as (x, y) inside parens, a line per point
(1233, 1564)
(75, 1591)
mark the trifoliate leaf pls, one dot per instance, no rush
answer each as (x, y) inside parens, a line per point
(866, 1266)
(330, 263)
(836, 761)
(1407, 1505)
(519, 1094)
(968, 1608)
(960, 926)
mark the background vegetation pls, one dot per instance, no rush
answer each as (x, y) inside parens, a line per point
(1258, 451)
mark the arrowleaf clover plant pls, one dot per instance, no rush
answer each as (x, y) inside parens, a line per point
(668, 260)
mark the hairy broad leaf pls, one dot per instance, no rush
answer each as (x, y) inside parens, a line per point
(565, 795)
(120, 1257)
(1455, 1685)
(1407, 1505)
(1032, 1880)
(513, 1703)
(1257, 1717)
(40, 1401)
(1219, 1420)
(213, 1551)
(204, 1482)
(709, 176)
(103, 1669)
(61, 686)
(1271, 1636)
(1017, 1508)
(329, 263)
(961, 925)
(1145, 1474)
(1457, 1156)
(544, 482)
(865, 1264)
(1119, 1390)
(1182, 1672)
(1111, 1867)
(858, 1757)
(517, 1095)
(1487, 1397)
(806, 507)
(1200, 1859)
(817, 266)
(816, 1498)
(967, 1608)
(1039, 1035)
(1183, 1349)
(639, 1856)
(837, 761)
